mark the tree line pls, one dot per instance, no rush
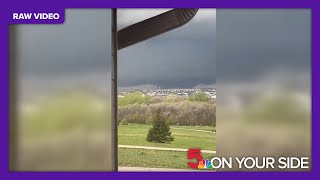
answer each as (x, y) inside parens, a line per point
(197, 110)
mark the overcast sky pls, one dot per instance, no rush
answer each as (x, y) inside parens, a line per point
(181, 58)
(80, 48)
(242, 44)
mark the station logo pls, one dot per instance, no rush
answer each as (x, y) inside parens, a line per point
(195, 155)
(205, 164)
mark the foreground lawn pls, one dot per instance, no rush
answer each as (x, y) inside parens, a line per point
(204, 128)
(155, 159)
(184, 137)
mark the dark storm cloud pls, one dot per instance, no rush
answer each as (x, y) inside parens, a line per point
(245, 44)
(251, 43)
(182, 58)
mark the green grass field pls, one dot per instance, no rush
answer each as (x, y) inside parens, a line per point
(184, 137)
(155, 159)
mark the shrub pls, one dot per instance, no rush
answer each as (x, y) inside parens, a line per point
(199, 97)
(135, 113)
(124, 122)
(160, 131)
(184, 112)
(133, 98)
(169, 120)
(187, 112)
(149, 120)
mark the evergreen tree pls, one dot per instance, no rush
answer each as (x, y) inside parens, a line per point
(160, 131)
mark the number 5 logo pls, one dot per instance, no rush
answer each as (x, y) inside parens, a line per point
(194, 154)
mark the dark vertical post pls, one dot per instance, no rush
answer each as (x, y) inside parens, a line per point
(114, 92)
